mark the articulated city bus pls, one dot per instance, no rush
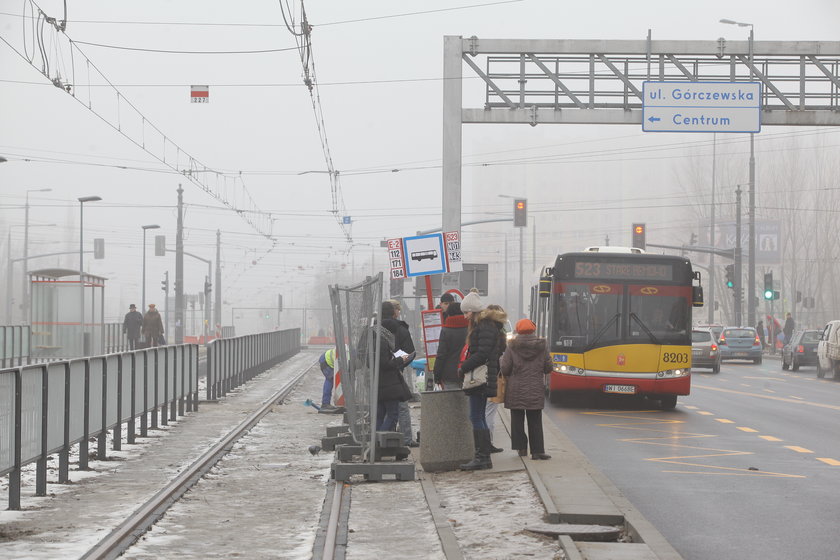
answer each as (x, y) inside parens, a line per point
(618, 321)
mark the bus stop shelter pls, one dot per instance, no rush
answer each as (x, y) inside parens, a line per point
(62, 326)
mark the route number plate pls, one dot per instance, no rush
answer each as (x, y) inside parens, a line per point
(623, 389)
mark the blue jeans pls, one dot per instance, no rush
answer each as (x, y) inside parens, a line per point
(328, 372)
(386, 415)
(404, 422)
(478, 403)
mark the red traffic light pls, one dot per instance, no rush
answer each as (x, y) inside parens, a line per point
(640, 229)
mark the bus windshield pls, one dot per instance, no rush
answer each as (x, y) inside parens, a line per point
(588, 316)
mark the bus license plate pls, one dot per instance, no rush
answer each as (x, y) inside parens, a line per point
(742, 354)
(624, 389)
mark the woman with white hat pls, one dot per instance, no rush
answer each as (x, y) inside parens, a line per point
(483, 348)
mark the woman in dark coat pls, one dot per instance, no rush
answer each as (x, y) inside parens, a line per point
(453, 335)
(392, 388)
(525, 364)
(484, 348)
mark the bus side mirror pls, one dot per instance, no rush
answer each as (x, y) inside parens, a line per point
(697, 296)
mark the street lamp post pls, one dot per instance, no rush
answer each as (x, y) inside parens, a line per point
(143, 299)
(82, 201)
(751, 211)
(25, 302)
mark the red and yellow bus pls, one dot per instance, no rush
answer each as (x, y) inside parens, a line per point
(618, 321)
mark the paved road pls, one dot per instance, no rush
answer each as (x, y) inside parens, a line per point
(746, 467)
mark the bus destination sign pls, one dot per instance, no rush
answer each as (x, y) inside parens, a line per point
(624, 271)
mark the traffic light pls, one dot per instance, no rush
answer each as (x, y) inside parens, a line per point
(164, 284)
(730, 276)
(207, 286)
(768, 286)
(639, 236)
(520, 212)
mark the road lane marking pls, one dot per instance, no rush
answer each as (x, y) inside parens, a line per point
(744, 385)
(832, 462)
(766, 378)
(795, 397)
(771, 438)
(725, 421)
(690, 407)
(664, 433)
(769, 397)
(704, 413)
(743, 429)
(798, 449)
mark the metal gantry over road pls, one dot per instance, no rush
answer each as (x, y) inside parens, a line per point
(601, 82)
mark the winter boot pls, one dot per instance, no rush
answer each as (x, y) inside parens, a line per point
(482, 452)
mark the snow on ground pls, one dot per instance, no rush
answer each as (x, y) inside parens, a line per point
(264, 500)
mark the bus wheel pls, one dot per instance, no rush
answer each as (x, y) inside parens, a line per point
(667, 402)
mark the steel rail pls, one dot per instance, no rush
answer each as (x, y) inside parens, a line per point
(334, 520)
(125, 534)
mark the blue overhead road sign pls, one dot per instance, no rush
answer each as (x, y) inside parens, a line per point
(701, 107)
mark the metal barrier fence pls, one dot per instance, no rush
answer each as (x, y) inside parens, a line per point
(48, 408)
(14, 345)
(354, 310)
(233, 361)
(115, 340)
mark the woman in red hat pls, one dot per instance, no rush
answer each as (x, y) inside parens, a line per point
(525, 364)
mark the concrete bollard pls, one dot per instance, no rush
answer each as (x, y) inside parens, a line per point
(446, 439)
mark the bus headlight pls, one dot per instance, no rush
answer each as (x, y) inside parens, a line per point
(670, 373)
(563, 368)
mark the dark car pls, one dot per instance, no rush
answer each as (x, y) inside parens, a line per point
(704, 350)
(740, 343)
(801, 350)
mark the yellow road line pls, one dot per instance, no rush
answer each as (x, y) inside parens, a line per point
(690, 407)
(770, 438)
(724, 421)
(704, 413)
(743, 429)
(832, 462)
(770, 390)
(798, 449)
(769, 397)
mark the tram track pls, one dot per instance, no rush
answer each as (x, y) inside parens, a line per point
(144, 517)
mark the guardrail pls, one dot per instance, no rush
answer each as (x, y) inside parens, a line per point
(233, 361)
(14, 345)
(48, 408)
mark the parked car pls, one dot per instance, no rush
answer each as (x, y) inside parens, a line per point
(801, 350)
(828, 350)
(704, 350)
(715, 328)
(740, 343)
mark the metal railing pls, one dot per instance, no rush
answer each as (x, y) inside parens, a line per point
(15, 342)
(233, 361)
(48, 408)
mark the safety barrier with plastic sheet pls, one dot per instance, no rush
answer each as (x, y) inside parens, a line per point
(48, 408)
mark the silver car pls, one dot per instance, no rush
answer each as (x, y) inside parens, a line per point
(704, 350)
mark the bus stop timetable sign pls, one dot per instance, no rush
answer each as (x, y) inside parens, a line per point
(701, 106)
